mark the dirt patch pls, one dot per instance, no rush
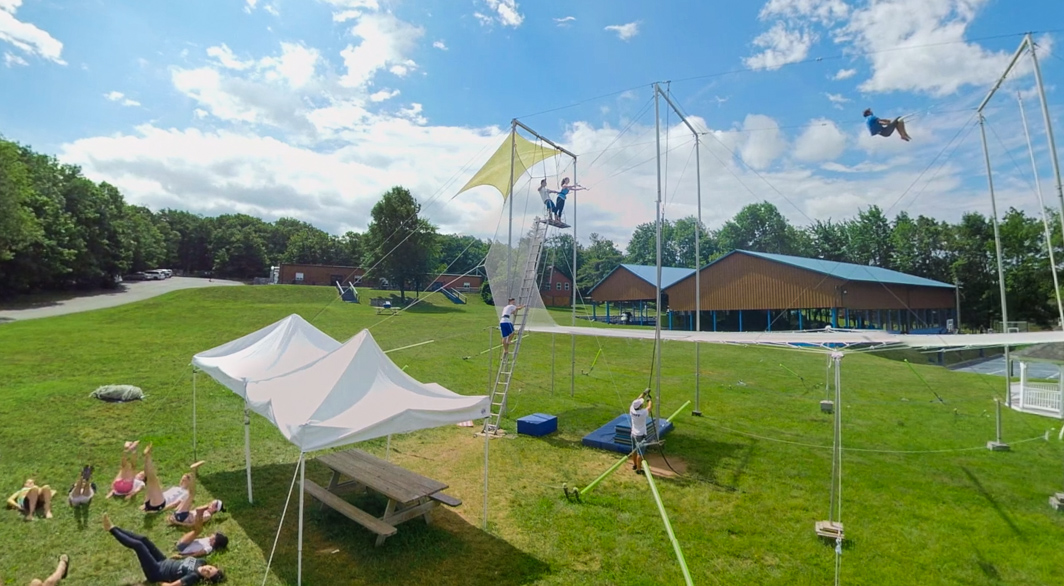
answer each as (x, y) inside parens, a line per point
(661, 469)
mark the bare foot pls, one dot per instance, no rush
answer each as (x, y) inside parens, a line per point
(197, 464)
(48, 515)
(107, 524)
(147, 450)
(29, 517)
(132, 445)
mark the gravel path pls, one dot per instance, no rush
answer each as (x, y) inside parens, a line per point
(127, 292)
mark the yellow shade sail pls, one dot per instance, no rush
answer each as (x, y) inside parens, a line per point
(496, 172)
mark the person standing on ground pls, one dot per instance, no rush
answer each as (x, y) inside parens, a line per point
(639, 412)
(506, 323)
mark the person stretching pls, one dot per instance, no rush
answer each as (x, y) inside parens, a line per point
(559, 204)
(59, 573)
(30, 497)
(84, 488)
(183, 515)
(194, 546)
(127, 482)
(156, 499)
(157, 567)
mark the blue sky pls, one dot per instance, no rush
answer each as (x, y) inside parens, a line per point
(312, 108)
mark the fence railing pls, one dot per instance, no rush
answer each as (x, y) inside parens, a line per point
(1044, 396)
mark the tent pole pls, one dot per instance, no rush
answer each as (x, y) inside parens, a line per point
(491, 356)
(247, 447)
(195, 455)
(388, 448)
(552, 365)
(486, 440)
(302, 486)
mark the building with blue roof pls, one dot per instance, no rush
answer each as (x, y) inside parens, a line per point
(756, 291)
(631, 289)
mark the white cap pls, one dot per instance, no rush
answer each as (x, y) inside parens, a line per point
(638, 403)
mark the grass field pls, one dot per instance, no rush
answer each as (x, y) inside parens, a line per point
(757, 480)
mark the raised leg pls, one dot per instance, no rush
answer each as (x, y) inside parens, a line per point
(59, 573)
(31, 502)
(151, 481)
(45, 500)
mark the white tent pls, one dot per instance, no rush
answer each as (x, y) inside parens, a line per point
(322, 399)
(276, 349)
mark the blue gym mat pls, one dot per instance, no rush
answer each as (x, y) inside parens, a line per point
(615, 435)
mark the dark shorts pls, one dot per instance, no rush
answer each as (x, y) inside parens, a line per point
(639, 443)
(550, 205)
(182, 516)
(507, 329)
(888, 129)
(154, 508)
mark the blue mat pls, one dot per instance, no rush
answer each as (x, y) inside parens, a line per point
(615, 435)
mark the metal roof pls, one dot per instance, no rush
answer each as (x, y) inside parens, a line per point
(669, 275)
(848, 271)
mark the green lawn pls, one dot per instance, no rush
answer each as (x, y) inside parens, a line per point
(758, 473)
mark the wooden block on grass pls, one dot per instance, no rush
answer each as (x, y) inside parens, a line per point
(829, 530)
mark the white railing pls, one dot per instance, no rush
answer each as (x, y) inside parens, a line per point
(1042, 396)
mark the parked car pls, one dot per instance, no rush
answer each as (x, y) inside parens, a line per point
(138, 276)
(155, 275)
(166, 272)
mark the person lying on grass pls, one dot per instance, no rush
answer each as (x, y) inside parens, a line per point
(128, 481)
(158, 568)
(31, 498)
(84, 488)
(194, 546)
(158, 500)
(183, 516)
(59, 573)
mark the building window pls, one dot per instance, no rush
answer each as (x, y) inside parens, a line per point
(466, 285)
(558, 286)
(299, 277)
(567, 286)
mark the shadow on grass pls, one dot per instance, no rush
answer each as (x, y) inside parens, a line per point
(52, 298)
(426, 307)
(339, 551)
(993, 502)
(705, 459)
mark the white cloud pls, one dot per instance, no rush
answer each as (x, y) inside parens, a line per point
(844, 74)
(272, 9)
(383, 95)
(121, 98)
(820, 141)
(780, 46)
(224, 55)
(346, 15)
(12, 60)
(27, 37)
(625, 31)
(250, 5)
(505, 13)
(439, 45)
(565, 21)
(825, 11)
(837, 100)
(385, 43)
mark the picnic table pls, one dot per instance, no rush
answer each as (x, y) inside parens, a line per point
(410, 495)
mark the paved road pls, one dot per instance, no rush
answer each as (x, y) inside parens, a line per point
(997, 366)
(127, 292)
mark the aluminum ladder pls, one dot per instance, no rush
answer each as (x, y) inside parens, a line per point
(529, 287)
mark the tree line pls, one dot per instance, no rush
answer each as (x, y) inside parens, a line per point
(59, 230)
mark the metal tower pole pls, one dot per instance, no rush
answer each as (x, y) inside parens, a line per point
(1049, 131)
(572, 366)
(657, 321)
(510, 199)
(698, 276)
(1042, 209)
(1000, 264)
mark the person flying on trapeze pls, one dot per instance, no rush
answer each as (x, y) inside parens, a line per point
(881, 127)
(560, 202)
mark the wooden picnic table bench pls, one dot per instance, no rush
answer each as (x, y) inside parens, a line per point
(410, 495)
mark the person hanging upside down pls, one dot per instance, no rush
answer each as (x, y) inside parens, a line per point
(506, 324)
(31, 498)
(158, 568)
(881, 127)
(158, 500)
(545, 194)
(560, 203)
(184, 514)
(191, 545)
(127, 482)
(638, 412)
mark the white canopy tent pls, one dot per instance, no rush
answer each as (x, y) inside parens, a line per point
(278, 348)
(350, 394)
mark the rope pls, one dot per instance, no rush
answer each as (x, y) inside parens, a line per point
(280, 524)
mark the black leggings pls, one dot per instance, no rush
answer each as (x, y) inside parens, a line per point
(147, 553)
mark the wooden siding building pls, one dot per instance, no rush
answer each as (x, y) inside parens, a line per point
(754, 291)
(631, 289)
(556, 289)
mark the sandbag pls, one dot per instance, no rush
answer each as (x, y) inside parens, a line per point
(118, 393)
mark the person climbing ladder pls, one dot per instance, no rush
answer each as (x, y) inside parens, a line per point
(881, 127)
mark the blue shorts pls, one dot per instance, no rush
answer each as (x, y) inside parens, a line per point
(549, 204)
(507, 329)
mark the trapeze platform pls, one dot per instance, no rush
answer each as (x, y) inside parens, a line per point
(616, 436)
(556, 223)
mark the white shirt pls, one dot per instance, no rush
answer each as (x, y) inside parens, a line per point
(508, 314)
(639, 421)
(544, 193)
(201, 545)
(174, 494)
